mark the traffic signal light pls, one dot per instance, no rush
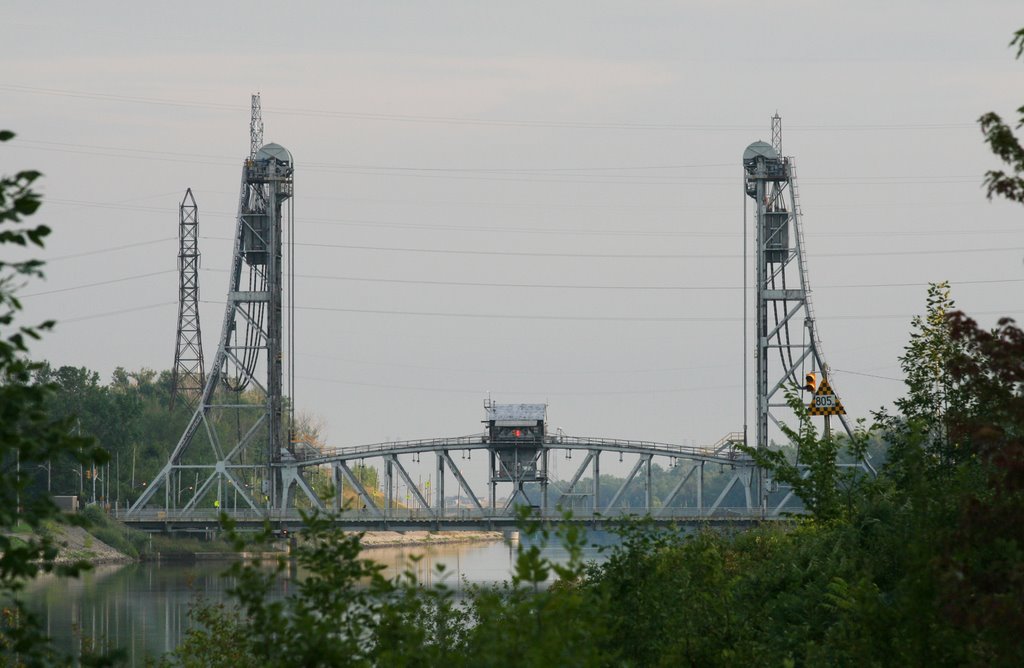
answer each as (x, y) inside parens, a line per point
(811, 382)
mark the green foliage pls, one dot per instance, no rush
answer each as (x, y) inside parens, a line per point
(129, 418)
(342, 611)
(934, 394)
(1001, 139)
(323, 623)
(815, 476)
(29, 436)
(118, 536)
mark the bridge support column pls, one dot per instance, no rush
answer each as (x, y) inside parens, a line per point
(493, 482)
(339, 488)
(389, 488)
(747, 479)
(544, 483)
(700, 492)
(439, 485)
(647, 490)
(597, 480)
(290, 476)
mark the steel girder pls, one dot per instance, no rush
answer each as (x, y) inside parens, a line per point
(646, 453)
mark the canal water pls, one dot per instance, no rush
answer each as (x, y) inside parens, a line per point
(144, 607)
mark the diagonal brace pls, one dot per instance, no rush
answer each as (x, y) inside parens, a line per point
(409, 484)
(462, 481)
(358, 486)
(675, 490)
(632, 474)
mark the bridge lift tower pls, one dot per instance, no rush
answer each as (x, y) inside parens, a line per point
(237, 449)
(787, 343)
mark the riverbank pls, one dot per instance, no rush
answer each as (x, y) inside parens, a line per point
(189, 548)
(77, 544)
(107, 541)
(371, 541)
(376, 539)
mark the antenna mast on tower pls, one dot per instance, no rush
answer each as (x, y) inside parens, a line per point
(189, 376)
(777, 133)
(255, 126)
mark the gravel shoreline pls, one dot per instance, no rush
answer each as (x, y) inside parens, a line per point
(375, 539)
(77, 544)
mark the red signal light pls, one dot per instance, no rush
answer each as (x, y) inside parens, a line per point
(518, 433)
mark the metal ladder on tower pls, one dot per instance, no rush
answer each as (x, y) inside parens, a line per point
(805, 280)
(811, 317)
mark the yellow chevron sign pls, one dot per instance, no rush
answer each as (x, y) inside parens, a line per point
(825, 401)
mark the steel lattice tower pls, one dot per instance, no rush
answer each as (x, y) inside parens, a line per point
(255, 125)
(189, 374)
(238, 439)
(787, 345)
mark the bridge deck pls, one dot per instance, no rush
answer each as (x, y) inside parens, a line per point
(463, 519)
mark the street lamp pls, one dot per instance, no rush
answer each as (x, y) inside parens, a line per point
(47, 469)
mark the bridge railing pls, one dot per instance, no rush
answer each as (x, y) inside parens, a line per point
(374, 449)
(468, 516)
(722, 450)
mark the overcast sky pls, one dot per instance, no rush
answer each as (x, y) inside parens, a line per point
(436, 135)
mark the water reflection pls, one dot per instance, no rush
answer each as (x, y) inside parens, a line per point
(144, 608)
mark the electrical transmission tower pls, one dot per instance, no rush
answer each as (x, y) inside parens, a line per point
(189, 375)
(237, 450)
(788, 347)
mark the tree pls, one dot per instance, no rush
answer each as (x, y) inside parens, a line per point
(1000, 138)
(29, 436)
(920, 434)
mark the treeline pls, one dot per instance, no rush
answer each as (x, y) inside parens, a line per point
(129, 418)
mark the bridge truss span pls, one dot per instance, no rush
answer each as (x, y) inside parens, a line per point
(384, 481)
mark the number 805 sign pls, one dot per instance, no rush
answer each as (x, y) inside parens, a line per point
(825, 401)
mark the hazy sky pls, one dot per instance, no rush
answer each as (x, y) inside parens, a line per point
(445, 147)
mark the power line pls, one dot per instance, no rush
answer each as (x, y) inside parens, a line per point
(377, 224)
(565, 286)
(97, 284)
(633, 256)
(582, 318)
(108, 249)
(105, 314)
(532, 316)
(479, 391)
(518, 175)
(869, 375)
(554, 286)
(540, 372)
(501, 122)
